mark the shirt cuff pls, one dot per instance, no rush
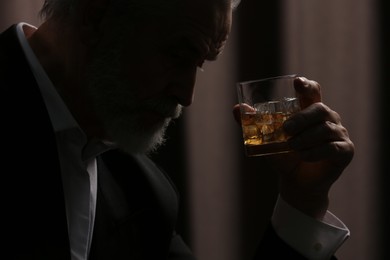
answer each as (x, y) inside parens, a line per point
(314, 239)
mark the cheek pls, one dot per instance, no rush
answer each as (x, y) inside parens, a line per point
(149, 74)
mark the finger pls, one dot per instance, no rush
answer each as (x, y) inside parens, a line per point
(318, 135)
(237, 111)
(307, 91)
(315, 114)
(340, 153)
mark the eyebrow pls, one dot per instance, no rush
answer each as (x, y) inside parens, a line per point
(191, 46)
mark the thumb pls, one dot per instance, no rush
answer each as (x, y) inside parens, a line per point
(237, 111)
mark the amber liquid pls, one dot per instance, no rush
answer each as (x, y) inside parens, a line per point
(262, 127)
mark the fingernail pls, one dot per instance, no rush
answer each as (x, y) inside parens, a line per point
(303, 81)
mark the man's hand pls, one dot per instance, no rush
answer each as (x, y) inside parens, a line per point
(322, 150)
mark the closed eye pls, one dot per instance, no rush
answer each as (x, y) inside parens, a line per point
(185, 56)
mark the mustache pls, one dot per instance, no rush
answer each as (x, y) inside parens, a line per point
(166, 106)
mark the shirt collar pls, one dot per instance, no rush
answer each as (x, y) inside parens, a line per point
(60, 116)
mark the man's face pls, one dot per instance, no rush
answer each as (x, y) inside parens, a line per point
(142, 73)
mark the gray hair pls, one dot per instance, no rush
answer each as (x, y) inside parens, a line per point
(58, 8)
(235, 3)
(66, 8)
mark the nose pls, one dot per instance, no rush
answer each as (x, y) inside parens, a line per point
(184, 85)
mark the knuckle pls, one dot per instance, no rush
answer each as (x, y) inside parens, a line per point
(321, 107)
(315, 84)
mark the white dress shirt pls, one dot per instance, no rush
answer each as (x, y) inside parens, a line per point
(316, 240)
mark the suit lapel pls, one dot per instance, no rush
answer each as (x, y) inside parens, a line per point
(36, 219)
(161, 185)
(139, 202)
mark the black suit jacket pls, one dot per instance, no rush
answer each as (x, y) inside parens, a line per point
(137, 204)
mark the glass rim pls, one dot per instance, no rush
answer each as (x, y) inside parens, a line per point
(266, 79)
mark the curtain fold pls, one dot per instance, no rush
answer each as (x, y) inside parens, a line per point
(336, 43)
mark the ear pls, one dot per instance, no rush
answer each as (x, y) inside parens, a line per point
(92, 13)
